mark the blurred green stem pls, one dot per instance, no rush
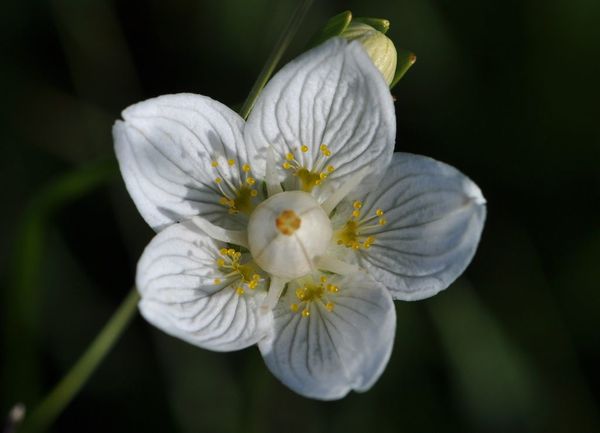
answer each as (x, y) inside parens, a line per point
(284, 41)
(70, 385)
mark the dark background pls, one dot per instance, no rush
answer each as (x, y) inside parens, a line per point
(506, 91)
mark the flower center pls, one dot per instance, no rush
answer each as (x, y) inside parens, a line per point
(287, 232)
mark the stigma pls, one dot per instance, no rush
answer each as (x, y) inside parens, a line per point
(357, 232)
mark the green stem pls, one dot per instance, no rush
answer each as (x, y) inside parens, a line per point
(70, 385)
(275, 56)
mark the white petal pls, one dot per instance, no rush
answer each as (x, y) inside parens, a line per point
(329, 353)
(330, 95)
(435, 216)
(176, 279)
(165, 147)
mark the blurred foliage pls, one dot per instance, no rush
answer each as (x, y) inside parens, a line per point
(505, 91)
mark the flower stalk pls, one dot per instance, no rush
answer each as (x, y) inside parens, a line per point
(275, 56)
(69, 386)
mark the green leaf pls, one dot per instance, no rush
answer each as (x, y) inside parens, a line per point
(379, 24)
(405, 60)
(334, 27)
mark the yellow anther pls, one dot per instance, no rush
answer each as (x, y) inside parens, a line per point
(333, 288)
(379, 212)
(250, 181)
(231, 162)
(289, 156)
(287, 165)
(324, 148)
(327, 153)
(252, 284)
(240, 291)
(294, 307)
(255, 277)
(330, 168)
(246, 168)
(357, 204)
(356, 213)
(318, 182)
(304, 148)
(300, 294)
(224, 201)
(223, 251)
(329, 306)
(218, 180)
(214, 164)
(217, 281)
(237, 255)
(253, 193)
(382, 221)
(220, 262)
(305, 312)
(323, 279)
(230, 252)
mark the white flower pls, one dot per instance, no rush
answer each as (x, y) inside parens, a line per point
(296, 229)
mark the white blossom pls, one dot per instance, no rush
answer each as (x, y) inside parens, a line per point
(296, 229)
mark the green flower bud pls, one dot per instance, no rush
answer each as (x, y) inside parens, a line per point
(377, 45)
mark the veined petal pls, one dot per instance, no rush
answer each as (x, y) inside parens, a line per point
(167, 149)
(430, 220)
(188, 295)
(331, 96)
(324, 344)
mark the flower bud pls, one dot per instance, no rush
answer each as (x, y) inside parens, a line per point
(378, 46)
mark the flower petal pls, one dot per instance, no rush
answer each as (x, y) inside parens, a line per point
(176, 279)
(329, 353)
(165, 147)
(434, 215)
(330, 95)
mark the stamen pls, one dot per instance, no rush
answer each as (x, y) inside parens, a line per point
(245, 274)
(331, 264)
(237, 237)
(313, 176)
(271, 179)
(311, 292)
(352, 234)
(236, 198)
(277, 286)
